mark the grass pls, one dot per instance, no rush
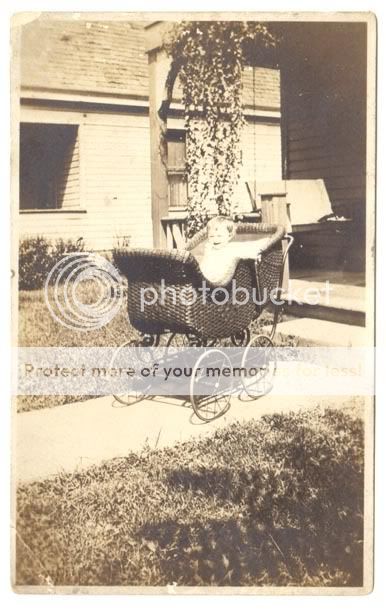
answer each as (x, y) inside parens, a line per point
(37, 327)
(277, 501)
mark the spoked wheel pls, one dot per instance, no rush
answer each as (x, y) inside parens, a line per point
(258, 366)
(182, 341)
(242, 338)
(134, 389)
(148, 348)
(210, 394)
(215, 342)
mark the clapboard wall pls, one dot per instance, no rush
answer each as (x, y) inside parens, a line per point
(68, 187)
(114, 205)
(261, 159)
(324, 101)
(116, 180)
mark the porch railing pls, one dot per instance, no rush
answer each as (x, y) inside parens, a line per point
(173, 226)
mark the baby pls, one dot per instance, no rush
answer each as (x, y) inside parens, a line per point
(221, 256)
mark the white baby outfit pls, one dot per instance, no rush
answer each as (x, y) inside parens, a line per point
(219, 263)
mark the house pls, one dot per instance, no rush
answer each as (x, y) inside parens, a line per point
(325, 89)
(85, 142)
(86, 151)
(84, 133)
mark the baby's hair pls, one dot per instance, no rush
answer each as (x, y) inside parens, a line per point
(221, 220)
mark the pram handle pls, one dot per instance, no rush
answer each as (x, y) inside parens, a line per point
(290, 240)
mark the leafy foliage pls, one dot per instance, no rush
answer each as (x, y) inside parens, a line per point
(211, 56)
(37, 256)
(278, 501)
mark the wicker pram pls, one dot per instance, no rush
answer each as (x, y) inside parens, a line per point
(179, 307)
(174, 275)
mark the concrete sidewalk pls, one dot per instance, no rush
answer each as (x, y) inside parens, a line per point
(316, 332)
(78, 435)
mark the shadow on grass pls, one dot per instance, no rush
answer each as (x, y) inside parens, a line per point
(243, 553)
(270, 542)
(278, 501)
(220, 552)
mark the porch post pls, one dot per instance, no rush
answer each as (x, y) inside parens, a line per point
(159, 65)
(274, 210)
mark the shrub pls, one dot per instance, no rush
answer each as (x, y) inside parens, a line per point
(37, 256)
(121, 243)
(34, 262)
(62, 247)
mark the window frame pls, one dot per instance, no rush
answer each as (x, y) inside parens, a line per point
(177, 135)
(76, 208)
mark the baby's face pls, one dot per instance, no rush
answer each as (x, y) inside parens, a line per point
(219, 235)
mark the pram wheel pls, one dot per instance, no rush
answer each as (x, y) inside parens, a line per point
(242, 338)
(183, 341)
(258, 366)
(148, 348)
(214, 342)
(210, 393)
(135, 387)
(148, 340)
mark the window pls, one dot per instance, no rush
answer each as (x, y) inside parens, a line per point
(178, 191)
(49, 166)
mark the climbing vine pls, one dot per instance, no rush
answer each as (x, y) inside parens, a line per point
(209, 57)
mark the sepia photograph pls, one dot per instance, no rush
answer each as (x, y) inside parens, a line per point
(193, 296)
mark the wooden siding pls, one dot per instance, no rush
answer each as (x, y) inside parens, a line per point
(114, 175)
(117, 183)
(328, 154)
(68, 180)
(112, 157)
(261, 159)
(53, 225)
(324, 95)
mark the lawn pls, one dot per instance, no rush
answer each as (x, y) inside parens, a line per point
(278, 501)
(37, 327)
